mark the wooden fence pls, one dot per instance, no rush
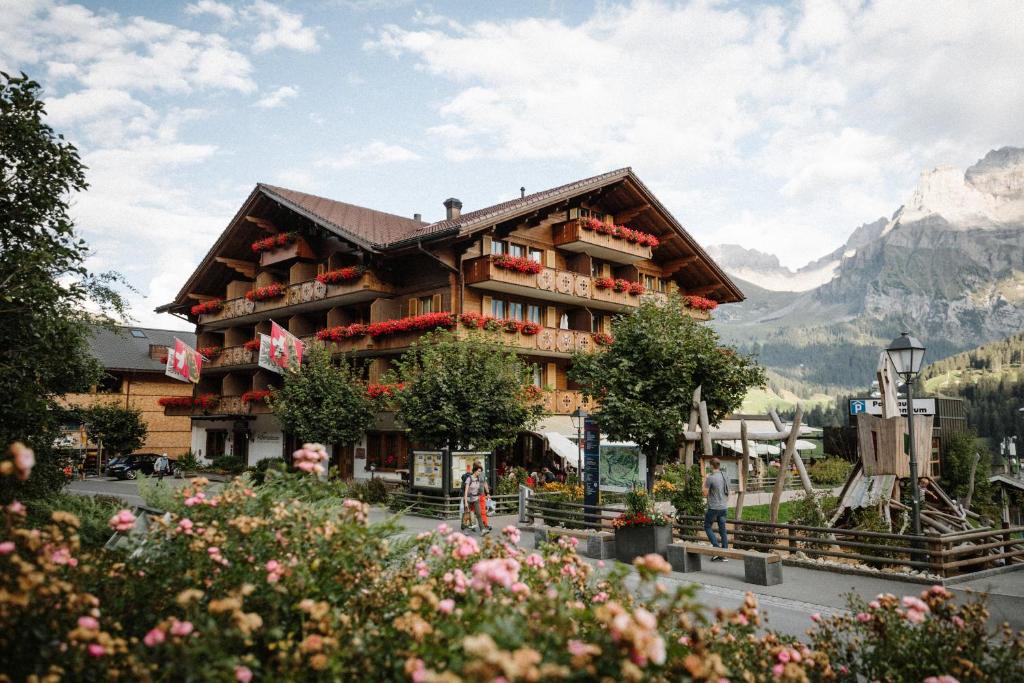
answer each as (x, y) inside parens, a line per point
(445, 507)
(942, 555)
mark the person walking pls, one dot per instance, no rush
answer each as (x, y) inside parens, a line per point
(485, 490)
(464, 511)
(716, 490)
(162, 467)
(470, 496)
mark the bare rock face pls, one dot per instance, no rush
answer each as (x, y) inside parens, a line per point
(948, 265)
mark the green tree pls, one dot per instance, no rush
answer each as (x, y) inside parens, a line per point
(464, 393)
(45, 289)
(121, 430)
(644, 381)
(958, 456)
(323, 401)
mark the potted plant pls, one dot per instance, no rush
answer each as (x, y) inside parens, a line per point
(640, 530)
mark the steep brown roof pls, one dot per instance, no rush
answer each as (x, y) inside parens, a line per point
(504, 210)
(367, 226)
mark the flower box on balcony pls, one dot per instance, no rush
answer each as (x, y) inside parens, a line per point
(615, 243)
(295, 248)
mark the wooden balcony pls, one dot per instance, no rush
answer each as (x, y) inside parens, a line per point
(571, 236)
(563, 402)
(550, 341)
(299, 249)
(231, 357)
(299, 298)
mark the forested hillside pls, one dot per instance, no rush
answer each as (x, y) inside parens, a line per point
(991, 378)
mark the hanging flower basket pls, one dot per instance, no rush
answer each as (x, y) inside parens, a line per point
(209, 352)
(530, 328)
(621, 285)
(255, 396)
(637, 288)
(604, 283)
(347, 274)
(211, 306)
(603, 339)
(252, 345)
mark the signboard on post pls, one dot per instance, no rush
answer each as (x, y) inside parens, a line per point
(873, 406)
(591, 468)
(428, 470)
(462, 462)
(183, 362)
(623, 467)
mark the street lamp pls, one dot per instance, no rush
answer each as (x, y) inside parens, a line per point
(578, 417)
(907, 356)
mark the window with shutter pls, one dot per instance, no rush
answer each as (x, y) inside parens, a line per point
(517, 250)
(533, 313)
(414, 307)
(435, 303)
(485, 305)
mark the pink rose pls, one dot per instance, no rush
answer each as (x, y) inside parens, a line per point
(446, 606)
(816, 618)
(777, 670)
(6, 548)
(88, 623)
(243, 674)
(957, 621)
(124, 520)
(24, 459)
(16, 508)
(863, 617)
(154, 637)
(512, 533)
(783, 656)
(181, 628)
(96, 650)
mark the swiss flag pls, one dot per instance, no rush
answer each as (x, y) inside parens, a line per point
(285, 348)
(184, 362)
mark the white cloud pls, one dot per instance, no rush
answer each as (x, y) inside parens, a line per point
(277, 97)
(280, 28)
(372, 154)
(226, 13)
(825, 110)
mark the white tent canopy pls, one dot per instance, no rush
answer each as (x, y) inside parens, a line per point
(756, 447)
(563, 447)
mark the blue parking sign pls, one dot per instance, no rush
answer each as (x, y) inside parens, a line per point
(858, 407)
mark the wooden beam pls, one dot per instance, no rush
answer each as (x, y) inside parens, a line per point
(263, 223)
(692, 426)
(200, 297)
(744, 468)
(676, 264)
(246, 268)
(787, 457)
(631, 213)
(704, 289)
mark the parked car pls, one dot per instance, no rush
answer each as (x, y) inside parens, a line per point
(129, 466)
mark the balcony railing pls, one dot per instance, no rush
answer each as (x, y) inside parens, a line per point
(563, 402)
(231, 356)
(222, 405)
(571, 236)
(300, 297)
(550, 284)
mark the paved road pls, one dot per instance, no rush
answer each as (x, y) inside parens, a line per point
(788, 606)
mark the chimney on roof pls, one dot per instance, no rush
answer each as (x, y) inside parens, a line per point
(452, 208)
(417, 217)
(522, 192)
(158, 351)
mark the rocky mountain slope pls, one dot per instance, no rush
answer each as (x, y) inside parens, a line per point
(948, 266)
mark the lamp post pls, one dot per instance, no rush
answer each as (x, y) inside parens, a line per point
(578, 416)
(907, 356)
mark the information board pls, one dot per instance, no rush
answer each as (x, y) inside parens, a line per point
(591, 466)
(622, 468)
(462, 462)
(427, 469)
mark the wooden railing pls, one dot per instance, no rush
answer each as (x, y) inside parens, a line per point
(367, 286)
(441, 506)
(572, 237)
(941, 555)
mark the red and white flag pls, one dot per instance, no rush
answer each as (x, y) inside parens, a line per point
(183, 362)
(285, 348)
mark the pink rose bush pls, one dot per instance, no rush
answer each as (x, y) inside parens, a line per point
(312, 458)
(290, 581)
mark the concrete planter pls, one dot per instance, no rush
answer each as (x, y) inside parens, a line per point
(633, 541)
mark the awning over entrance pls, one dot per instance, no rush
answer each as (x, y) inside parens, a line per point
(563, 447)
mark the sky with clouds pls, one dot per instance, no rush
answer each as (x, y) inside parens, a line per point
(778, 126)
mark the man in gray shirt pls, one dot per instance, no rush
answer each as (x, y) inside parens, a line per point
(716, 489)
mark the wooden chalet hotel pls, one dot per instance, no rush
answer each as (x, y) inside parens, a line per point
(560, 263)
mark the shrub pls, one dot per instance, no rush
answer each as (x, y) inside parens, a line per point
(688, 499)
(188, 462)
(228, 464)
(510, 483)
(830, 472)
(155, 493)
(258, 472)
(93, 513)
(369, 490)
(812, 509)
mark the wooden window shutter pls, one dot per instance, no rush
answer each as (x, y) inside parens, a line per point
(606, 270)
(485, 305)
(321, 268)
(574, 213)
(549, 258)
(435, 303)
(551, 376)
(550, 317)
(414, 306)
(606, 324)
(486, 245)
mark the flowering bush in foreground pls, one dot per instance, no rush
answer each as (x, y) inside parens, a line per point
(287, 582)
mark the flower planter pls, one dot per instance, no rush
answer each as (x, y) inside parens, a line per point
(634, 541)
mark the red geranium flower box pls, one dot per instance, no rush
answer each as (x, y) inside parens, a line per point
(255, 395)
(263, 293)
(275, 242)
(347, 274)
(701, 303)
(520, 264)
(211, 306)
(252, 345)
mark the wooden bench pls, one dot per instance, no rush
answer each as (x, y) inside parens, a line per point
(763, 569)
(596, 544)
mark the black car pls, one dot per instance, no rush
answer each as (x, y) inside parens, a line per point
(129, 466)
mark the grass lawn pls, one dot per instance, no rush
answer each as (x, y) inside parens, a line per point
(759, 513)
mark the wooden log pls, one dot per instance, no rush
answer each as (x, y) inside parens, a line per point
(705, 429)
(787, 456)
(970, 480)
(744, 467)
(805, 480)
(692, 427)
